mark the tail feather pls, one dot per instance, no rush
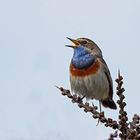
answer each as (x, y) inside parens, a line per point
(109, 103)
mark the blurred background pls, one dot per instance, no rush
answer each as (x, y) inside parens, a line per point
(33, 59)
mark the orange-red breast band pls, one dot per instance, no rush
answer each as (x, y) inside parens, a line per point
(85, 72)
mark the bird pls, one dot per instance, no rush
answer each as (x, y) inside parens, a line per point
(90, 77)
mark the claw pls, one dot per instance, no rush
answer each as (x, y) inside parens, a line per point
(81, 98)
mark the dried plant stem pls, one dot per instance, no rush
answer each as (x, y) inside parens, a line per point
(108, 122)
(123, 125)
(126, 130)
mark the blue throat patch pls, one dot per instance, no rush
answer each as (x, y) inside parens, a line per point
(82, 58)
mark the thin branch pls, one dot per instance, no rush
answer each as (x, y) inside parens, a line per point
(114, 135)
(108, 122)
(123, 125)
(126, 130)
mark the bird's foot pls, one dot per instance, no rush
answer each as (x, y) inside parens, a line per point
(81, 98)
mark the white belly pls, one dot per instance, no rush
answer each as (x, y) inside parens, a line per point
(94, 86)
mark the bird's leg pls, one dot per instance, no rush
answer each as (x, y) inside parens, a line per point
(100, 106)
(82, 97)
(99, 112)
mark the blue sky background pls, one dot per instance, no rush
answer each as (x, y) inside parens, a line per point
(33, 59)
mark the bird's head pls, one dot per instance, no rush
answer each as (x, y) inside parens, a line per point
(87, 45)
(84, 52)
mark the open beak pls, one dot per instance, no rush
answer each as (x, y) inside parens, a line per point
(76, 43)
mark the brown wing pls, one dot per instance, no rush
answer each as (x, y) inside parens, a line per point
(108, 75)
(108, 102)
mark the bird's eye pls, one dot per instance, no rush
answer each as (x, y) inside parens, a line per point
(84, 42)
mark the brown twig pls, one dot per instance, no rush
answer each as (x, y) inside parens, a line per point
(114, 135)
(127, 131)
(108, 122)
(134, 130)
(123, 125)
